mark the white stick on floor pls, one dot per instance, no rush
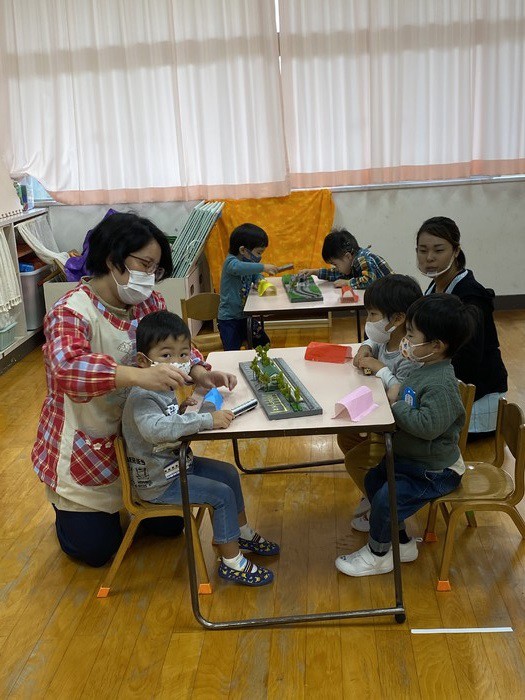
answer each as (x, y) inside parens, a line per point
(462, 630)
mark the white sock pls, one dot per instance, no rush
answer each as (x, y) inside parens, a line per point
(248, 533)
(238, 563)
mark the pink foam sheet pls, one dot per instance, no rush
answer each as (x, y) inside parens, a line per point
(355, 405)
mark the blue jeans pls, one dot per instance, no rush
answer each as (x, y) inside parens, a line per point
(216, 484)
(415, 486)
(234, 332)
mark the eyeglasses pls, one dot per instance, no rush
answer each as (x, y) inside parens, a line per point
(150, 267)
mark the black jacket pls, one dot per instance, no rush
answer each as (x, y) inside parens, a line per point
(479, 361)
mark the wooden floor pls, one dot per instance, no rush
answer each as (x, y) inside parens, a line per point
(58, 640)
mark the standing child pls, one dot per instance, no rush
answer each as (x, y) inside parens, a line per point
(429, 416)
(353, 266)
(242, 269)
(153, 418)
(387, 301)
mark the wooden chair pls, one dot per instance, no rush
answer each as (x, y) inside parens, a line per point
(486, 486)
(203, 307)
(140, 510)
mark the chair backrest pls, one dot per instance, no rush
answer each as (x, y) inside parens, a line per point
(467, 393)
(510, 431)
(201, 307)
(127, 489)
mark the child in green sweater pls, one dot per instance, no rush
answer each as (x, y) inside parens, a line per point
(429, 415)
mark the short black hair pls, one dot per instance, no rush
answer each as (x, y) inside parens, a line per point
(444, 317)
(248, 235)
(338, 242)
(119, 235)
(156, 327)
(447, 229)
(392, 294)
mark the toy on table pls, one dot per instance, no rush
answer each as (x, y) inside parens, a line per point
(327, 352)
(288, 266)
(265, 288)
(278, 390)
(367, 371)
(356, 405)
(212, 401)
(245, 407)
(348, 295)
(301, 288)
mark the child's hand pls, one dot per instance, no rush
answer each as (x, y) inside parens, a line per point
(162, 377)
(222, 419)
(214, 378)
(190, 401)
(270, 269)
(370, 363)
(393, 393)
(342, 283)
(307, 272)
(364, 351)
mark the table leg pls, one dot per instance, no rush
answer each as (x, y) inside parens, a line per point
(249, 331)
(394, 529)
(358, 322)
(279, 467)
(251, 623)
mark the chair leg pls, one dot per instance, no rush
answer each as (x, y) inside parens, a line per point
(430, 530)
(103, 591)
(471, 518)
(443, 582)
(205, 587)
(516, 517)
(444, 512)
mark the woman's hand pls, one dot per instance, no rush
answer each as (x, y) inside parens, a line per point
(162, 377)
(364, 351)
(222, 419)
(213, 378)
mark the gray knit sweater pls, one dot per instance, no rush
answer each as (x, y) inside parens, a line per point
(151, 418)
(428, 430)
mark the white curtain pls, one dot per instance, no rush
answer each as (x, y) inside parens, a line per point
(391, 90)
(109, 101)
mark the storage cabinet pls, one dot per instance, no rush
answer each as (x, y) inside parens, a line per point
(19, 252)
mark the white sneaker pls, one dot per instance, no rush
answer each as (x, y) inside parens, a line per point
(364, 563)
(363, 507)
(408, 551)
(362, 523)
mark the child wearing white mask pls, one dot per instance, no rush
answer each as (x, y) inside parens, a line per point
(429, 416)
(386, 301)
(151, 419)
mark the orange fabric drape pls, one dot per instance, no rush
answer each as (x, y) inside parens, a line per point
(296, 226)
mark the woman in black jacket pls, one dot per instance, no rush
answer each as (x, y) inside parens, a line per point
(439, 256)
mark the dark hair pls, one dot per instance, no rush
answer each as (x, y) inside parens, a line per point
(248, 235)
(445, 228)
(120, 235)
(444, 317)
(392, 294)
(337, 243)
(156, 327)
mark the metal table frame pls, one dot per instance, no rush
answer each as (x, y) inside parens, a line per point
(398, 610)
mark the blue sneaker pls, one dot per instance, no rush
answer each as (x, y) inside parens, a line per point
(258, 545)
(246, 577)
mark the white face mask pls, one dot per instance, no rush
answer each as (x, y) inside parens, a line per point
(376, 330)
(183, 366)
(138, 288)
(407, 350)
(438, 273)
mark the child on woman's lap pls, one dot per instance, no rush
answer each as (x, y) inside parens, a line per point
(153, 418)
(429, 416)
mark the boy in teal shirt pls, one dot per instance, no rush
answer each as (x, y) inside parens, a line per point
(242, 269)
(429, 415)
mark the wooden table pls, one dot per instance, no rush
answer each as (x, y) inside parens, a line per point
(280, 306)
(327, 383)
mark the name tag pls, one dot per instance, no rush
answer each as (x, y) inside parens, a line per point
(171, 409)
(409, 396)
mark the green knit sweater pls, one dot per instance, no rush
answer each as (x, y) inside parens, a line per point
(428, 430)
